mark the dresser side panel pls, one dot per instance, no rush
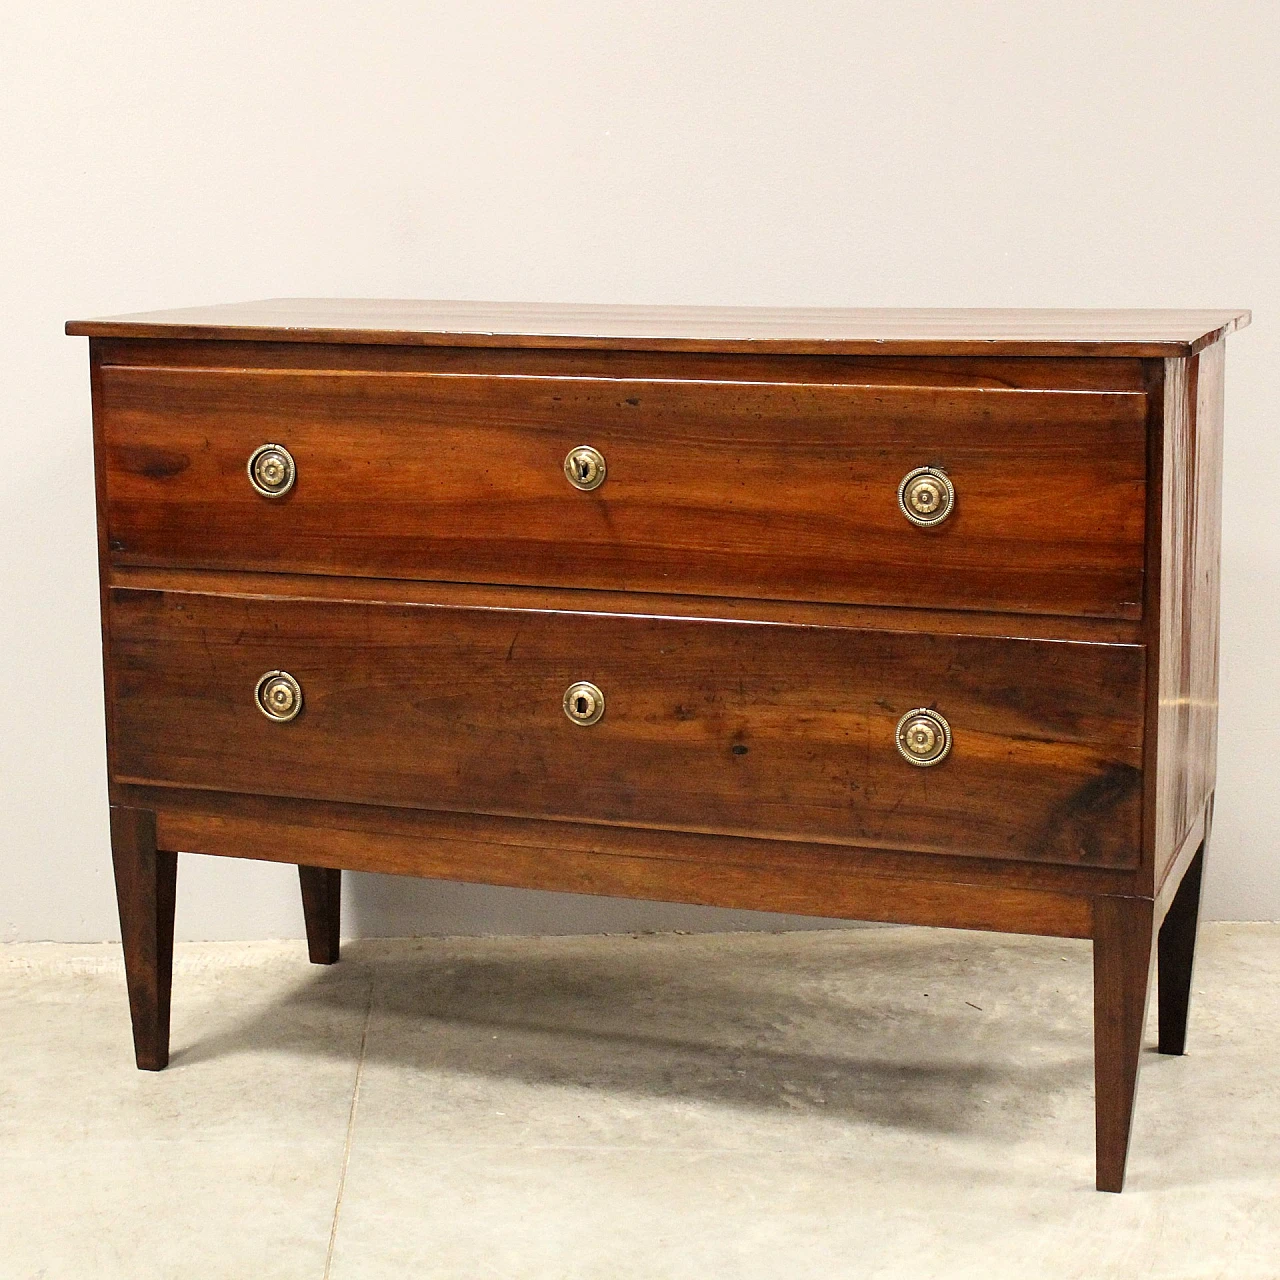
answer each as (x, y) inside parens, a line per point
(104, 551)
(1191, 515)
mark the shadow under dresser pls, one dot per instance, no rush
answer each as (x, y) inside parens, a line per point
(889, 615)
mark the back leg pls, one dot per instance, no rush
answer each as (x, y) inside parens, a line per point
(1176, 951)
(322, 910)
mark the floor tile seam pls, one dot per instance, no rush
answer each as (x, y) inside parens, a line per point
(350, 1134)
(514, 1145)
(13, 1143)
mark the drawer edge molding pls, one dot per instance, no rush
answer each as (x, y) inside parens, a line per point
(482, 595)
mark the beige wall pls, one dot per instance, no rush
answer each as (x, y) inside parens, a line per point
(945, 154)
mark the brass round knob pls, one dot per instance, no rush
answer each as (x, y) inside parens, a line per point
(272, 470)
(924, 736)
(583, 702)
(278, 695)
(926, 496)
(584, 467)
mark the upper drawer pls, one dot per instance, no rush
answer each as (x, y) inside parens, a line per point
(776, 490)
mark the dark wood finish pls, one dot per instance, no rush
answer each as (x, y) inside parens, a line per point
(1122, 931)
(797, 330)
(709, 725)
(803, 883)
(1176, 952)
(1026, 373)
(145, 883)
(766, 490)
(741, 586)
(478, 595)
(322, 910)
(177, 808)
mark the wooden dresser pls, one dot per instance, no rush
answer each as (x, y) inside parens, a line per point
(886, 615)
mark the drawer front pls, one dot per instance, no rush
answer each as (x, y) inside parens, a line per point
(715, 726)
(758, 490)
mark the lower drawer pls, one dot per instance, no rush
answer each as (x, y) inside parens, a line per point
(718, 726)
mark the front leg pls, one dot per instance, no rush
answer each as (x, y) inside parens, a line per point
(146, 879)
(1122, 936)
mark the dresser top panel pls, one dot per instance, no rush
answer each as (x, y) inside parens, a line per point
(776, 330)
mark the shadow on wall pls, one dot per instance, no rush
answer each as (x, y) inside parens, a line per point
(380, 906)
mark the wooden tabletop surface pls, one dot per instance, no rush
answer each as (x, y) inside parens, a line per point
(781, 330)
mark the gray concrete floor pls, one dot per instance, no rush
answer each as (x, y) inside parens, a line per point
(870, 1103)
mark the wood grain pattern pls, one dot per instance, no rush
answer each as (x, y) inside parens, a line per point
(812, 330)
(709, 725)
(1184, 661)
(1026, 373)
(176, 808)
(748, 880)
(1180, 866)
(482, 595)
(762, 490)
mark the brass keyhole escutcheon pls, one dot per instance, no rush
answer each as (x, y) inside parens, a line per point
(278, 695)
(924, 736)
(584, 467)
(926, 496)
(583, 702)
(272, 470)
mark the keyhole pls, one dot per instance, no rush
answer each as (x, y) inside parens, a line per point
(583, 702)
(584, 468)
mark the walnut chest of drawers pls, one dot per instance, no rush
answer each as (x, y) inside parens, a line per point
(887, 615)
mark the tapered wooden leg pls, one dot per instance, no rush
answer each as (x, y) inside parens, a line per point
(322, 908)
(146, 878)
(1122, 936)
(1176, 951)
